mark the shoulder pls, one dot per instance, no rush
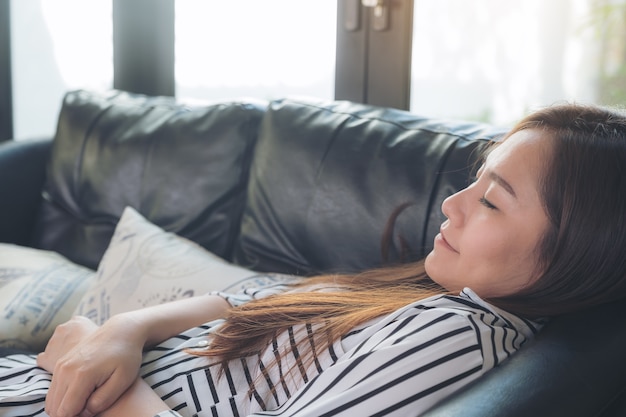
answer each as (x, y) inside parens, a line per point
(427, 348)
(459, 322)
(468, 304)
(498, 333)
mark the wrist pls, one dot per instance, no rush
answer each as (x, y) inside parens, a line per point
(131, 326)
(152, 325)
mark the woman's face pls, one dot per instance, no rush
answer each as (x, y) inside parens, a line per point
(489, 241)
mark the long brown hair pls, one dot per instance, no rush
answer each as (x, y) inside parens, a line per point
(581, 255)
(345, 302)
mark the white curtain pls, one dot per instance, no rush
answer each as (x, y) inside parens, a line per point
(495, 60)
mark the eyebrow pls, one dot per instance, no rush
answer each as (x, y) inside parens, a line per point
(502, 182)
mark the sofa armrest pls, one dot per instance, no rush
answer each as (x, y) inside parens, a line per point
(574, 368)
(22, 175)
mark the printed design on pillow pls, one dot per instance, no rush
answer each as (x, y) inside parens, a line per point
(156, 254)
(258, 281)
(144, 266)
(38, 291)
(162, 254)
(171, 294)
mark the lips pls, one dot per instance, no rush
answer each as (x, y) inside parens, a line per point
(441, 239)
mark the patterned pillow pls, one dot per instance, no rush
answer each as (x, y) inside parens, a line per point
(38, 291)
(145, 266)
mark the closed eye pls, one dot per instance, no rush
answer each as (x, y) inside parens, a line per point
(486, 203)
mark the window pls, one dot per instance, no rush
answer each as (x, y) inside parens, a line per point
(488, 60)
(263, 49)
(56, 45)
(495, 60)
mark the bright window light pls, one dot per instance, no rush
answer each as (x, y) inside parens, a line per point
(495, 60)
(264, 49)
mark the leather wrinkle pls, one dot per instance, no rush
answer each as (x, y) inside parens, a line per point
(336, 132)
(263, 207)
(49, 193)
(275, 224)
(147, 157)
(479, 134)
(230, 199)
(244, 172)
(78, 168)
(80, 218)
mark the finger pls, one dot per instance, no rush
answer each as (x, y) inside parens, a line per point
(48, 358)
(70, 397)
(58, 383)
(46, 361)
(75, 399)
(108, 393)
(86, 413)
(55, 393)
(42, 361)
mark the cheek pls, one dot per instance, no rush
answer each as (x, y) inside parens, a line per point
(505, 263)
(498, 252)
(493, 259)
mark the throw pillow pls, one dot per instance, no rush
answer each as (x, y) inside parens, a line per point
(144, 266)
(38, 291)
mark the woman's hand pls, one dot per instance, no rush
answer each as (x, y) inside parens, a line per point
(65, 337)
(91, 366)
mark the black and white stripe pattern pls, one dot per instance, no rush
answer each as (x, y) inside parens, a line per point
(399, 365)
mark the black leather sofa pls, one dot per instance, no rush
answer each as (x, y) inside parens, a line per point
(294, 186)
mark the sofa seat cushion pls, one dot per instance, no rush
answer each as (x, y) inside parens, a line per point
(327, 176)
(184, 167)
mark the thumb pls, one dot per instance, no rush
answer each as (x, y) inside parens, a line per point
(43, 362)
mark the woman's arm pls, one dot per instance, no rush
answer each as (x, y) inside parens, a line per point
(137, 401)
(158, 323)
(93, 371)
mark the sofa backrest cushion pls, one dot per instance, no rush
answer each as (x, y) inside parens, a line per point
(184, 168)
(327, 176)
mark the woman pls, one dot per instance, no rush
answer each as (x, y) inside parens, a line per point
(539, 233)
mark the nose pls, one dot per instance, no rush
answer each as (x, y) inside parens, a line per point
(453, 208)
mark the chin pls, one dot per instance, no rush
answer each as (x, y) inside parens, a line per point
(430, 266)
(433, 265)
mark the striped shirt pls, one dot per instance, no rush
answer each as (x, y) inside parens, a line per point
(398, 365)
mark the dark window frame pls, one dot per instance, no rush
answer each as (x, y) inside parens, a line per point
(6, 85)
(143, 46)
(373, 64)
